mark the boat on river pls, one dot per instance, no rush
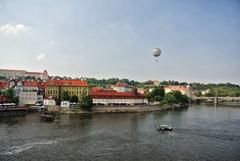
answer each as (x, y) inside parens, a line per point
(10, 109)
(47, 116)
(164, 128)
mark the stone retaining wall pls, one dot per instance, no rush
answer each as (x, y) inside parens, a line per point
(118, 109)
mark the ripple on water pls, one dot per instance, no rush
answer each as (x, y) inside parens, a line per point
(20, 148)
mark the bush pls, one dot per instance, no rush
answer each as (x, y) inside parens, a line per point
(74, 99)
(163, 102)
(86, 103)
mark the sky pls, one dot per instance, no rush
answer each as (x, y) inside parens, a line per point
(199, 40)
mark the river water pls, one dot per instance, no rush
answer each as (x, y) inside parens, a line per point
(200, 133)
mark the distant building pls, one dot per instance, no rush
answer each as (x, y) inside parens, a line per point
(141, 90)
(122, 87)
(112, 97)
(181, 88)
(204, 92)
(56, 88)
(15, 74)
(156, 82)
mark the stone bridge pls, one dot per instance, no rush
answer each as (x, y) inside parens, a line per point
(214, 99)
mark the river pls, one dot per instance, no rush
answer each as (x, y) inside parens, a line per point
(200, 133)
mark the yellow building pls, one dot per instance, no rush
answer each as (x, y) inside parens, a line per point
(56, 88)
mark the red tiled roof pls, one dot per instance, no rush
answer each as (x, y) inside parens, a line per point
(73, 83)
(34, 84)
(31, 83)
(114, 94)
(176, 88)
(96, 89)
(3, 85)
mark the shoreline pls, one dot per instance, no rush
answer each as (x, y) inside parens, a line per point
(118, 109)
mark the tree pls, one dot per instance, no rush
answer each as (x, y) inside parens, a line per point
(176, 97)
(74, 99)
(157, 94)
(170, 98)
(15, 100)
(65, 96)
(9, 93)
(86, 103)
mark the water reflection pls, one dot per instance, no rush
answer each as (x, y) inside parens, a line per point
(200, 133)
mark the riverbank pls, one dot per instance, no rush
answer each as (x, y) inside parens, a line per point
(117, 109)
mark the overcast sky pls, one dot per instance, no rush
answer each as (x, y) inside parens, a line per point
(199, 39)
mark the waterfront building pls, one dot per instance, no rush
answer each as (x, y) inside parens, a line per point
(49, 102)
(15, 74)
(29, 98)
(112, 97)
(122, 87)
(65, 104)
(56, 88)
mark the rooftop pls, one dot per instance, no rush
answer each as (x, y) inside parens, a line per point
(73, 83)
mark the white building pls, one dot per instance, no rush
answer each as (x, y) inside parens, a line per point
(49, 102)
(120, 87)
(65, 104)
(13, 74)
(29, 97)
(181, 88)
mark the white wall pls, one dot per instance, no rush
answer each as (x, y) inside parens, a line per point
(119, 101)
(26, 97)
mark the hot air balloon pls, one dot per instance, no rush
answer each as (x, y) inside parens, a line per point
(156, 52)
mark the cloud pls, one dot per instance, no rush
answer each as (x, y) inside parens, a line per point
(52, 42)
(13, 28)
(41, 56)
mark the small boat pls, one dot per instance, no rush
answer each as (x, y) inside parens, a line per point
(47, 116)
(164, 128)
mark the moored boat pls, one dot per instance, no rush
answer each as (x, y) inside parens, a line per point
(10, 109)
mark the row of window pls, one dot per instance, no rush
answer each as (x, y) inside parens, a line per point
(69, 92)
(27, 99)
(68, 88)
(28, 94)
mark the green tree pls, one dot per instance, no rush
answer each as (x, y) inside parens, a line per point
(74, 99)
(170, 98)
(176, 97)
(65, 96)
(157, 94)
(9, 93)
(86, 103)
(15, 100)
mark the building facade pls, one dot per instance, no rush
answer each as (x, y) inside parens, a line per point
(56, 88)
(181, 88)
(112, 97)
(121, 87)
(29, 98)
(15, 74)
